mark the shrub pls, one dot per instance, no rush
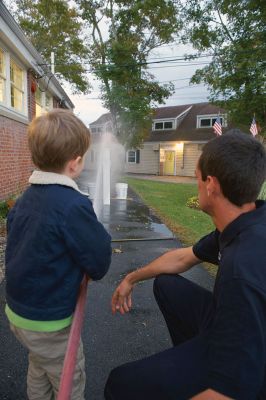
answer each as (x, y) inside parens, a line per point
(193, 202)
(5, 206)
(3, 209)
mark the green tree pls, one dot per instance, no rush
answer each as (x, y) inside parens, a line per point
(55, 26)
(233, 32)
(121, 35)
(118, 56)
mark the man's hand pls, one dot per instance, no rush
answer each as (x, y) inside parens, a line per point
(172, 262)
(121, 299)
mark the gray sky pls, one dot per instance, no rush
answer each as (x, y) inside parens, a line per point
(89, 108)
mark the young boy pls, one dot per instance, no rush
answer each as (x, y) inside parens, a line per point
(54, 238)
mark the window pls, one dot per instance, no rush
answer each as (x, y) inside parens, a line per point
(163, 125)
(168, 125)
(38, 102)
(158, 125)
(13, 88)
(208, 121)
(16, 86)
(43, 102)
(131, 156)
(2, 76)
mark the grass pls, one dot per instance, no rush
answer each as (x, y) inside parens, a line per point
(262, 194)
(168, 201)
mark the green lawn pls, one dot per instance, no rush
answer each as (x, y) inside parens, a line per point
(168, 201)
(262, 194)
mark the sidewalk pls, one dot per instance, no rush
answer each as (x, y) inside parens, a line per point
(164, 178)
(109, 340)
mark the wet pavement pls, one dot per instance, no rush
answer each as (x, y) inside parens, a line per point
(109, 340)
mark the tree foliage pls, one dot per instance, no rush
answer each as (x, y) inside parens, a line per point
(55, 26)
(122, 34)
(118, 56)
(233, 32)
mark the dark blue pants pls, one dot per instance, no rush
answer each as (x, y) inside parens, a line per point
(179, 372)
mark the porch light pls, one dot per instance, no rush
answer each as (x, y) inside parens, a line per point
(179, 146)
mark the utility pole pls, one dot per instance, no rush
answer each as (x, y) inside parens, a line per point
(52, 62)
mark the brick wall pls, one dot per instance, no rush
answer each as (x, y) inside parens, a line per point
(15, 161)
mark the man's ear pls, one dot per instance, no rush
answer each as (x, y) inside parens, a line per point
(213, 185)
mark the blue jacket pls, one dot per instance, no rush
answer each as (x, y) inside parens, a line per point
(54, 237)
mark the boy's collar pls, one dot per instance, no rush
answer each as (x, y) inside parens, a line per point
(51, 178)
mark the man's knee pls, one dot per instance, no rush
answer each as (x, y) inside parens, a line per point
(166, 284)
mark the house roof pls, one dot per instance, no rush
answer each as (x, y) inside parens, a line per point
(102, 119)
(169, 112)
(18, 41)
(187, 130)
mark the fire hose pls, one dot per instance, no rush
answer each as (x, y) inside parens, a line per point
(66, 381)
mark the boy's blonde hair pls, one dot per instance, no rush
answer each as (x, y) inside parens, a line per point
(56, 138)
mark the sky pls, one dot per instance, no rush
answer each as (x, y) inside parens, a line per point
(88, 107)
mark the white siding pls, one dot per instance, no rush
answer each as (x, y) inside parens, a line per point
(149, 161)
(191, 156)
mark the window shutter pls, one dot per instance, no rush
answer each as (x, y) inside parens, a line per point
(137, 156)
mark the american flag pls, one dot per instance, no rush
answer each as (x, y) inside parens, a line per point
(217, 126)
(253, 127)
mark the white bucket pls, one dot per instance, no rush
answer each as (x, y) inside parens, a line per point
(91, 189)
(121, 191)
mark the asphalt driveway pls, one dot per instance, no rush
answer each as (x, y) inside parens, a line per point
(109, 340)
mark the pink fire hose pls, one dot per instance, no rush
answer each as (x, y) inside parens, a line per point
(66, 381)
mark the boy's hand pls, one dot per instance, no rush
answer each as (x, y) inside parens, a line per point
(121, 299)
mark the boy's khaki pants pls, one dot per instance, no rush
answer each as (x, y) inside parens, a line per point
(46, 357)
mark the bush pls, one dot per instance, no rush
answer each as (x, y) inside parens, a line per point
(5, 206)
(3, 209)
(193, 202)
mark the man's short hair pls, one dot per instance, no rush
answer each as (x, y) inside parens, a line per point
(238, 161)
(56, 138)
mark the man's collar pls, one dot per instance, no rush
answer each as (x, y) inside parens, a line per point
(243, 221)
(51, 178)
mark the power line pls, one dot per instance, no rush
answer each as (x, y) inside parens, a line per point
(161, 60)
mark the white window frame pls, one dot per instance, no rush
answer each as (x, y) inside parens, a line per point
(6, 104)
(135, 156)
(3, 76)
(163, 122)
(212, 118)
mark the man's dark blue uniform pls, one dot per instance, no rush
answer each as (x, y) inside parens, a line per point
(219, 338)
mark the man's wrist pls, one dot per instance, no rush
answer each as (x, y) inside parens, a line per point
(132, 277)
